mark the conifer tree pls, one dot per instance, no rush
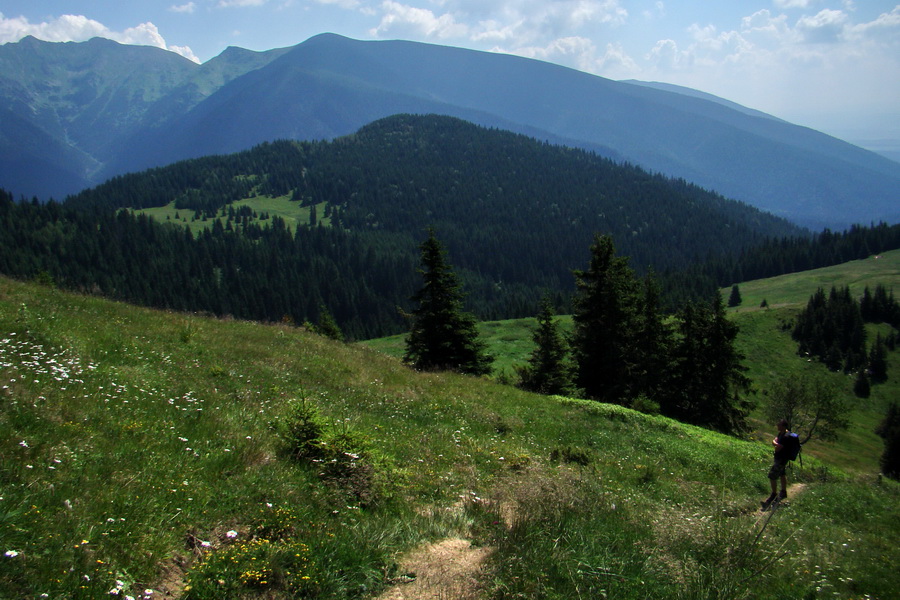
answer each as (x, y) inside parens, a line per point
(878, 360)
(889, 430)
(442, 336)
(549, 370)
(653, 343)
(735, 298)
(605, 320)
(862, 387)
(327, 326)
(708, 375)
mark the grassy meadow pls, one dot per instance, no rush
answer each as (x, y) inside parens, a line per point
(281, 206)
(154, 454)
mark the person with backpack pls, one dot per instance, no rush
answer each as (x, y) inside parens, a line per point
(787, 446)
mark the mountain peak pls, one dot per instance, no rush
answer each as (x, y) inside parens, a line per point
(331, 85)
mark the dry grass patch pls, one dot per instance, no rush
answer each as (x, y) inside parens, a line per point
(447, 570)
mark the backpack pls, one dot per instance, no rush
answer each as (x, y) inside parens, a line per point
(793, 447)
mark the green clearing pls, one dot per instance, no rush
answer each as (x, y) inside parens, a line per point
(293, 214)
(795, 289)
(140, 450)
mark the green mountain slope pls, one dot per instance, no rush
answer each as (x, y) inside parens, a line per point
(516, 215)
(145, 450)
(765, 340)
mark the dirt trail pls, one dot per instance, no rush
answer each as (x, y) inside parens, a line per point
(446, 570)
(795, 489)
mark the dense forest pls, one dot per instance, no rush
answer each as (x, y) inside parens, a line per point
(517, 217)
(776, 256)
(832, 329)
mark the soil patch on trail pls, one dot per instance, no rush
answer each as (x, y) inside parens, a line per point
(795, 489)
(446, 570)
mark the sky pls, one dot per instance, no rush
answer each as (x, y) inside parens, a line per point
(833, 65)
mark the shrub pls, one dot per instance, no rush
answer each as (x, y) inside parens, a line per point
(571, 454)
(301, 431)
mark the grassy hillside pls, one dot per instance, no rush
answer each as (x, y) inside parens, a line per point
(766, 342)
(771, 353)
(794, 289)
(281, 206)
(144, 450)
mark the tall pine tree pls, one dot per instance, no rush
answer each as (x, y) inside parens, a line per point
(889, 429)
(605, 319)
(708, 375)
(653, 343)
(549, 370)
(442, 336)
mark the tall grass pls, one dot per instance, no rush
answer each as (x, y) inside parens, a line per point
(144, 451)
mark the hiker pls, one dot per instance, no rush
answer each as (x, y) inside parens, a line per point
(779, 462)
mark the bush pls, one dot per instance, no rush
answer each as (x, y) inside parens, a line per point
(302, 430)
(645, 405)
(338, 454)
(571, 454)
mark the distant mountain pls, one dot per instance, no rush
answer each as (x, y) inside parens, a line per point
(99, 109)
(679, 89)
(516, 215)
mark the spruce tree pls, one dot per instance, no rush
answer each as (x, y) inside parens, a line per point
(889, 430)
(708, 375)
(605, 319)
(327, 326)
(549, 370)
(442, 336)
(862, 387)
(653, 343)
(878, 360)
(735, 298)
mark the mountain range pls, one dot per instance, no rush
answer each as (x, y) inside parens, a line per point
(75, 114)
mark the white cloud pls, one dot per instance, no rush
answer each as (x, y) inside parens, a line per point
(592, 11)
(824, 27)
(240, 3)
(886, 26)
(189, 8)
(186, 52)
(763, 24)
(402, 20)
(78, 28)
(616, 63)
(348, 4)
(793, 3)
(493, 31)
(67, 28)
(666, 56)
(658, 11)
(578, 52)
(519, 25)
(822, 69)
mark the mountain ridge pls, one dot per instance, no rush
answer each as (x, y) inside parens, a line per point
(330, 86)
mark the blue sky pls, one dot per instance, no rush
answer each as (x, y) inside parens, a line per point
(829, 64)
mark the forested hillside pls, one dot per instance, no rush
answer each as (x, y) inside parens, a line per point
(75, 114)
(517, 217)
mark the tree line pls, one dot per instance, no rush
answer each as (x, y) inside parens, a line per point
(261, 270)
(515, 213)
(831, 328)
(778, 256)
(262, 273)
(623, 348)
